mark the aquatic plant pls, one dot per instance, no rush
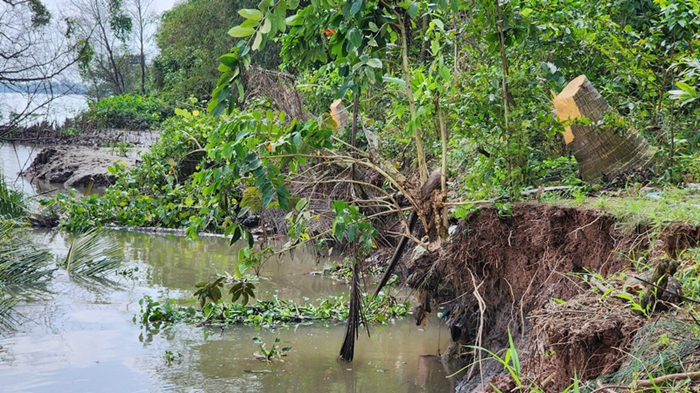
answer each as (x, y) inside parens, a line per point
(171, 358)
(273, 353)
(269, 313)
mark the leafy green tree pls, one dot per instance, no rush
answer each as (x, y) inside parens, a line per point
(104, 26)
(191, 37)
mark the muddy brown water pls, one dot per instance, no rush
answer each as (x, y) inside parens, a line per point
(82, 339)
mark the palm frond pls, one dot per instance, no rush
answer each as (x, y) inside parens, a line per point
(92, 256)
(13, 203)
(23, 267)
(21, 263)
(7, 304)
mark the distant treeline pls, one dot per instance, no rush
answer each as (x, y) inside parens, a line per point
(45, 88)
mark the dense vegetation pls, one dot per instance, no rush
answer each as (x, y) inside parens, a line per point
(464, 86)
(480, 74)
(191, 36)
(131, 112)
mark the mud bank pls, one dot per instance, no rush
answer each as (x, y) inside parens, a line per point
(522, 274)
(46, 135)
(76, 166)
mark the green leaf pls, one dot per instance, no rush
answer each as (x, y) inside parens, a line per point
(257, 41)
(624, 296)
(236, 234)
(281, 16)
(355, 7)
(283, 198)
(293, 20)
(355, 37)
(268, 193)
(229, 60)
(252, 199)
(374, 63)
(686, 88)
(352, 230)
(439, 24)
(251, 14)
(339, 229)
(251, 239)
(249, 23)
(392, 79)
(413, 10)
(266, 27)
(239, 31)
(301, 204)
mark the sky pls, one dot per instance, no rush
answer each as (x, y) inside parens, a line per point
(158, 5)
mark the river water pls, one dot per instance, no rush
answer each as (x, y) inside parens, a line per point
(78, 338)
(17, 158)
(57, 111)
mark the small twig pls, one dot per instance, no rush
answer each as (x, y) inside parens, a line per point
(608, 388)
(585, 226)
(553, 188)
(692, 375)
(460, 203)
(351, 147)
(410, 236)
(667, 291)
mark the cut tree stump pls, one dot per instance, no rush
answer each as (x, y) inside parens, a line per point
(599, 150)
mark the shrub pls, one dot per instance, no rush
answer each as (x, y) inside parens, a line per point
(157, 192)
(133, 112)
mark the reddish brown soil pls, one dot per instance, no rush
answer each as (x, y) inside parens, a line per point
(518, 265)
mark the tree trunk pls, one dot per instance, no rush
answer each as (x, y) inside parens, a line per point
(143, 58)
(422, 166)
(599, 149)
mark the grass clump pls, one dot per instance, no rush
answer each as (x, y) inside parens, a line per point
(664, 347)
(635, 207)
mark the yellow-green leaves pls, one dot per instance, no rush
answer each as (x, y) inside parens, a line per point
(266, 27)
(251, 14)
(239, 32)
(374, 63)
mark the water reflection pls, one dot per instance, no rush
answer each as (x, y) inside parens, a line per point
(17, 158)
(83, 340)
